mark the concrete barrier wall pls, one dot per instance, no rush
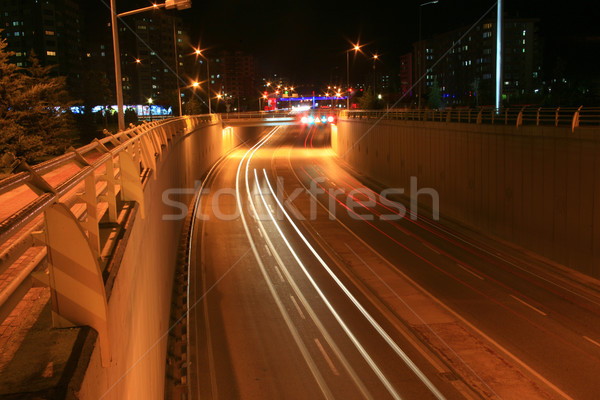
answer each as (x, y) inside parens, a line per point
(139, 304)
(538, 187)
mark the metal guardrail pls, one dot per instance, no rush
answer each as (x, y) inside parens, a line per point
(254, 115)
(518, 116)
(95, 180)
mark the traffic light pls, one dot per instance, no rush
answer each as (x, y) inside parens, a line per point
(179, 4)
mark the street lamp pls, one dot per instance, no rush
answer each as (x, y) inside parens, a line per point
(168, 4)
(198, 52)
(150, 101)
(499, 40)
(375, 58)
(419, 55)
(356, 48)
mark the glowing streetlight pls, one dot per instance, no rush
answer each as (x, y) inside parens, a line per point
(356, 48)
(198, 52)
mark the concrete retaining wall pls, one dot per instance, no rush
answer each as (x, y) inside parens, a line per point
(139, 304)
(538, 187)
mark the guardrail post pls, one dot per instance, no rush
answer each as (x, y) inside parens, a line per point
(556, 114)
(77, 288)
(89, 198)
(131, 186)
(109, 176)
(37, 184)
(479, 116)
(575, 123)
(520, 117)
(537, 120)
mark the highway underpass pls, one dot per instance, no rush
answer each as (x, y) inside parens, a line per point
(306, 283)
(303, 269)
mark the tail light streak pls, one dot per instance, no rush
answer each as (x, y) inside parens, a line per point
(359, 306)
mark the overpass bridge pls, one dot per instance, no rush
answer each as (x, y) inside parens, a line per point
(396, 254)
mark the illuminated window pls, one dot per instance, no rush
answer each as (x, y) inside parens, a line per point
(487, 26)
(51, 53)
(49, 33)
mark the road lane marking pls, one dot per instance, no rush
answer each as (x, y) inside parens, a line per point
(326, 356)
(528, 305)
(471, 272)
(431, 248)
(268, 251)
(297, 307)
(279, 273)
(591, 341)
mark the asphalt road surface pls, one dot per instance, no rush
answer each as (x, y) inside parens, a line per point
(308, 282)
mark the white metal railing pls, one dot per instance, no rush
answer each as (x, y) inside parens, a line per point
(93, 182)
(254, 115)
(574, 117)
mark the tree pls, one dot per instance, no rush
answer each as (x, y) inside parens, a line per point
(434, 99)
(35, 119)
(191, 107)
(368, 101)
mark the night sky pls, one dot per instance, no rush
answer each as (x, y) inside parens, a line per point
(306, 40)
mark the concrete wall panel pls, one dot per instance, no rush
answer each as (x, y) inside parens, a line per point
(538, 187)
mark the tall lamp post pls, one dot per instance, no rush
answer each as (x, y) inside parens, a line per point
(375, 58)
(177, 68)
(168, 4)
(199, 53)
(499, 34)
(419, 55)
(355, 48)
